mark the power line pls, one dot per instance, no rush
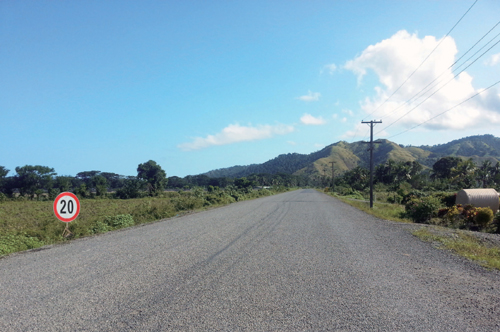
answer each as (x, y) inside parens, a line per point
(428, 87)
(466, 100)
(423, 91)
(420, 65)
(423, 101)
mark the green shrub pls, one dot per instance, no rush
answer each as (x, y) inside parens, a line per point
(187, 202)
(403, 189)
(131, 189)
(53, 192)
(468, 217)
(345, 191)
(449, 200)
(218, 198)
(355, 195)
(119, 221)
(454, 217)
(100, 227)
(483, 216)
(496, 223)
(468, 211)
(394, 199)
(422, 209)
(414, 194)
(17, 242)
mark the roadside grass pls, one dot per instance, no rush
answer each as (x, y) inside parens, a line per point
(385, 211)
(26, 224)
(465, 245)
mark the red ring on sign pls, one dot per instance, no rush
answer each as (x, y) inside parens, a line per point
(56, 201)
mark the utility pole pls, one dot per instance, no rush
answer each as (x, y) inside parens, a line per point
(333, 173)
(371, 123)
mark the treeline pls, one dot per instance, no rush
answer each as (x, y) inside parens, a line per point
(447, 174)
(255, 180)
(42, 182)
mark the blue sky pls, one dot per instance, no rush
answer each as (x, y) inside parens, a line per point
(201, 85)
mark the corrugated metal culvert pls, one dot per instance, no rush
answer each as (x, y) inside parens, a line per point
(479, 198)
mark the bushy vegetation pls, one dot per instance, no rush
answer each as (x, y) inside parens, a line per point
(422, 197)
(421, 209)
(27, 224)
(10, 243)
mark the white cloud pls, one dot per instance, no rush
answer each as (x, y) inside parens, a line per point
(344, 120)
(349, 112)
(393, 60)
(308, 119)
(331, 68)
(235, 133)
(357, 133)
(292, 143)
(360, 132)
(493, 60)
(311, 96)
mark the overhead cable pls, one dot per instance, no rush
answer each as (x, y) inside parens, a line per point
(420, 65)
(466, 100)
(428, 87)
(439, 88)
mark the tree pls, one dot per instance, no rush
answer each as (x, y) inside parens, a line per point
(153, 175)
(484, 174)
(114, 180)
(63, 183)
(176, 182)
(495, 173)
(463, 175)
(386, 173)
(442, 168)
(100, 183)
(3, 173)
(243, 183)
(131, 188)
(356, 178)
(86, 177)
(31, 180)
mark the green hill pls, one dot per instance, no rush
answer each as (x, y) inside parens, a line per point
(346, 156)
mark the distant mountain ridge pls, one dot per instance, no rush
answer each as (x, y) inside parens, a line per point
(346, 156)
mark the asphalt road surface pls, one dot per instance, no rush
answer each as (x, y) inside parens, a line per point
(298, 261)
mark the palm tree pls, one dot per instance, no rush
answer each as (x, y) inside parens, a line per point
(464, 173)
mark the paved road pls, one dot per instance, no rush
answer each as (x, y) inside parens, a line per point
(299, 261)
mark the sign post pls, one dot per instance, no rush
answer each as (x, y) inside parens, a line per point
(66, 209)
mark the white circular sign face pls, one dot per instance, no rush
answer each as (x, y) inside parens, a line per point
(66, 207)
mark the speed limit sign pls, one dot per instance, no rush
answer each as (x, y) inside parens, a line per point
(66, 207)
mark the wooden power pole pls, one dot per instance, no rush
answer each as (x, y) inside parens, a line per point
(333, 174)
(371, 123)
